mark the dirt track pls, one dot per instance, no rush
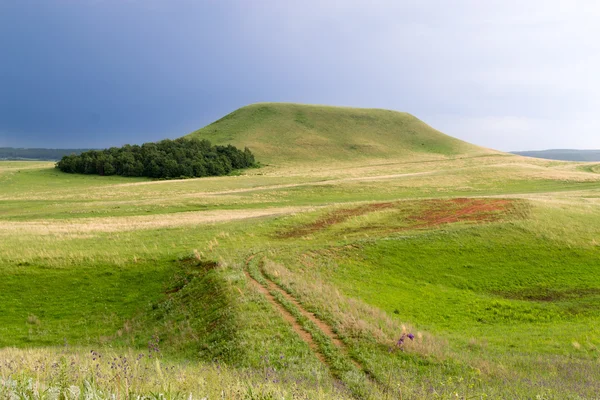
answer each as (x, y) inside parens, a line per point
(327, 330)
(289, 318)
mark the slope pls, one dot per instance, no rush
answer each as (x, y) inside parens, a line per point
(281, 133)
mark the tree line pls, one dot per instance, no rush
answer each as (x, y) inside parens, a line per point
(177, 158)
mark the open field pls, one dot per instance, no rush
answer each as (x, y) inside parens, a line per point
(297, 279)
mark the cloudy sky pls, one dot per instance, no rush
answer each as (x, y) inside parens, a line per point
(506, 74)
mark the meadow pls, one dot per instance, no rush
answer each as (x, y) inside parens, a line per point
(428, 268)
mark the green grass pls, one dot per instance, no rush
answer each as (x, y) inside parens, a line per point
(594, 168)
(480, 279)
(282, 133)
(102, 373)
(505, 293)
(363, 221)
(62, 197)
(79, 304)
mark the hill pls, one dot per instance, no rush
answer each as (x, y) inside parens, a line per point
(562, 154)
(282, 132)
(12, 153)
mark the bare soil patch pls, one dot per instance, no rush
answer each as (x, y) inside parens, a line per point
(438, 212)
(336, 217)
(421, 213)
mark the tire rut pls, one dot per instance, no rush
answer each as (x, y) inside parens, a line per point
(323, 326)
(287, 316)
(271, 287)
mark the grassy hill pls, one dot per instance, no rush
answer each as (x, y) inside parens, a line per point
(292, 133)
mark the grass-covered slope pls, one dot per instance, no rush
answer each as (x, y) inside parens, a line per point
(281, 133)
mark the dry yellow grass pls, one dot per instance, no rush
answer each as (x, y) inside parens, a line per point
(124, 224)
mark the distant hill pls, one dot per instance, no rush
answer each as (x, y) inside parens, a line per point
(11, 153)
(292, 133)
(563, 154)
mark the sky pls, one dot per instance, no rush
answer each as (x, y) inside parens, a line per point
(504, 74)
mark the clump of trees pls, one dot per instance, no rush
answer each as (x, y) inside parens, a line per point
(165, 159)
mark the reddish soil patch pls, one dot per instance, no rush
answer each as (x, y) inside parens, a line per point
(421, 213)
(336, 217)
(438, 212)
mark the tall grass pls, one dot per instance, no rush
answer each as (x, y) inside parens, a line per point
(107, 374)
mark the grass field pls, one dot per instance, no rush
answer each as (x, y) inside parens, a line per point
(303, 278)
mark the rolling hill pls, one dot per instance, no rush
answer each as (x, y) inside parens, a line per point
(282, 133)
(12, 153)
(562, 154)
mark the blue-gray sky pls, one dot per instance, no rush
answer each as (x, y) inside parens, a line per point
(506, 74)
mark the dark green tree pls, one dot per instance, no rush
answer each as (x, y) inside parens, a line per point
(164, 159)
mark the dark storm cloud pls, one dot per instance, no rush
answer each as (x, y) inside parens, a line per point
(99, 73)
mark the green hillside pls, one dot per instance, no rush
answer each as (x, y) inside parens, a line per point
(281, 132)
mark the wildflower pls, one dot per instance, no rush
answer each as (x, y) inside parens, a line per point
(400, 342)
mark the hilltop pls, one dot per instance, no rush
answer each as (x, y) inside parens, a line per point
(294, 133)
